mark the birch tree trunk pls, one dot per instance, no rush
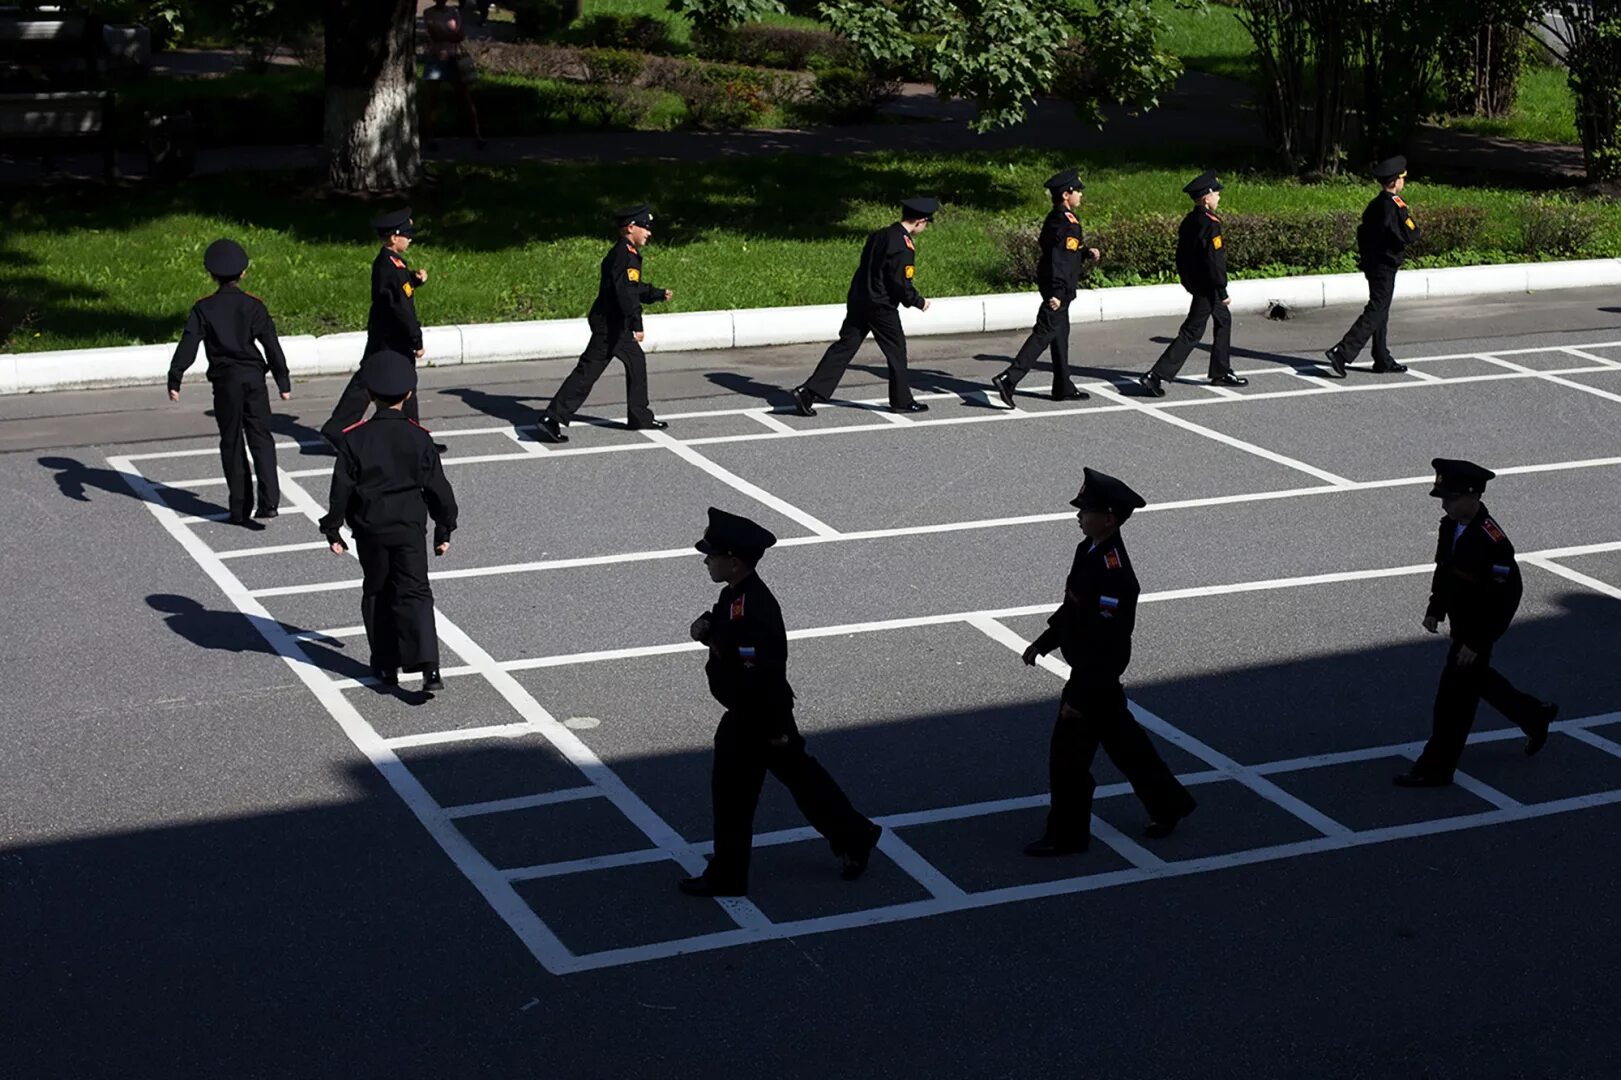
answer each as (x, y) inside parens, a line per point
(371, 116)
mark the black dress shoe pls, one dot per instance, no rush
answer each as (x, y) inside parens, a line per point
(1414, 778)
(1151, 384)
(551, 431)
(1047, 848)
(1229, 379)
(803, 400)
(245, 522)
(916, 406)
(1336, 360)
(702, 886)
(1004, 388)
(1539, 730)
(440, 448)
(1074, 393)
(266, 515)
(648, 425)
(1389, 367)
(1160, 828)
(386, 676)
(855, 860)
(431, 680)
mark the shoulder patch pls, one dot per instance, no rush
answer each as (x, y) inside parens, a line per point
(409, 289)
(357, 423)
(1212, 217)
(398, 264)
(1493, 531)
(737, 608)
(1072, 243)
(633, 274)
(1215, 242)
(1072, 217)
(1400, 201)
(1112, 559)
(1410, 224)
(631, 248)
(909, 245)
(416, 425)
(911, 271)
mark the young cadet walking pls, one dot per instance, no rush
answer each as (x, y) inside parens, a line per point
(1057, 274)
(391, 324)
(748, 674)
(1476, 589)
(882, 282)
(386, 485)
(227, 324)
(1381, 242)
(1201, 265)
(1093, 629)
(616, 330)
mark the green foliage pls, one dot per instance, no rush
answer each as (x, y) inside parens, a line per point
(613, 67)
(1115, 59)
(536, 19)
(998, 53)
(875, 28)
(848, 95)
(618, 30)
(778, 47)
(1560, 229)
(1592, 55)
(712, 18)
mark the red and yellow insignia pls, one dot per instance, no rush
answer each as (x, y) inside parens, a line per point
(1215, 242)
(634, 274)
(1072, 243)
(1112, 559)
(1071, 217)
(1492, 530)
(1399, 202)
(909, 245)
(910, 271)
(396, 261)
(1212, 217)
(408, 288)
(737, 608)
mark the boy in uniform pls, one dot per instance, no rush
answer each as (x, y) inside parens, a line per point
(1201, 266)
(1381, 242)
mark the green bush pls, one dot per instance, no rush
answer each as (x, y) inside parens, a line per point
(535, 19)
(614, 67)
(778, 47)
(643, 33)
(1555, 228)
(724, 96)
(850, 95)
(1444, 229)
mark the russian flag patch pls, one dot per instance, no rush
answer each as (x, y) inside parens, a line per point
(1107, 605)
(745, 653)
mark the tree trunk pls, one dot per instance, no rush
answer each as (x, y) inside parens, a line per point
(371, 117)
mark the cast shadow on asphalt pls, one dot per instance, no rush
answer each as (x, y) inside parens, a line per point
(1302, 365)
(195, 948)
(519, 410)
(75, 480)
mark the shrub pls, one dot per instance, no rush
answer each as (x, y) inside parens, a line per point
(527, 61)
(723, 95)
(534, 19)
(1554, 228)
(642, 33)
(779, 47)
(1444, 229)
(848, 95)
(614, 67)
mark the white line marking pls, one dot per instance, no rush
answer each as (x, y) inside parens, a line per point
(542, 944)
(921, 870)
(1595, 740)
(523, 802)
(455, 735)
(1482, 790)
(370, 682)
(769, 419)
(1545, 562)
(272, 549)
(1126, 848)
(1423, 376)
(737, 483)
(532, 447)
(321, 637)
(1553, 377)
(582, 866)
(1585, 355)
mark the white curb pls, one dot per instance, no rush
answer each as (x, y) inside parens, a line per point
(334, 354)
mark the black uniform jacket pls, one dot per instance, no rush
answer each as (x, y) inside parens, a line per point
(1201, 258)
(1477, 583)
(227, 324)
(748, 657)
(884, 278)
(393, 318)
(621, 292)
(1093, 626)
(1062, 255)
(1387, 228)
(388, 481)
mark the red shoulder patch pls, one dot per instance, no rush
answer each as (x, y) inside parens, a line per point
(1399, 201)
(1112, 559)
(395, 259)
(631, 248)
(356, 424)
(1212, 217)
(1071, 217)
(1492, 530)
(909, 245)
(416, 425)
(737, 608)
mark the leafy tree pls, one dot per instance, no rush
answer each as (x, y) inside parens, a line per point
(1586, 36)
(371, 116)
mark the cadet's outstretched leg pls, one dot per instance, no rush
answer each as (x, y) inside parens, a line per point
(412, 597)
(891, 339)
(1221, 342)
(1129, 747)
(229, 395)
(1381, 328)
(1043, 335)
(261, 444)
(818, 796)
(1060, 352)
(734, 789)
(830, 369)
(630, 353)
(593, 362)
(1374, 319)
(377, 603)
(350, 410)
(1187, 336)
(1518, 707)
(1456, 701)
(1069, 774)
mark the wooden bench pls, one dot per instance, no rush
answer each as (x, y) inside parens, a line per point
(51, 86)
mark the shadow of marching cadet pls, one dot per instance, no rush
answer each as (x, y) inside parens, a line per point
(1118, 377)
(1302, 365)
(519, 410)
(74, 479)
(310, 442)
(779, 398)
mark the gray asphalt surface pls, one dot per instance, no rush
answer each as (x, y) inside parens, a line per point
(202, 874)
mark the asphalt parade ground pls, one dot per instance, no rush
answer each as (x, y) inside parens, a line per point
(224, 852)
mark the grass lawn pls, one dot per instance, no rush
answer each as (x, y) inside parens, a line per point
(1212, 40)
(91, 267)
(1544, 110)
(680, 27)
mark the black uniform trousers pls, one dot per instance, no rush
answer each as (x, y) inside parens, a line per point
(1096, 715)
(884, 324)
(1456, 699)
(396, 601)
(1200, 312)
(356, 399)
(242, 411)
(1374, 321)
(606, 343)
(743, 755)
(1051, 332)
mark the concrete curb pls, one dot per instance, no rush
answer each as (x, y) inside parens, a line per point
(335, 354)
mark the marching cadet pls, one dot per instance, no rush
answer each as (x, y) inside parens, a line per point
(1057, 274)
(1476, 589)
(882, 282)
(226, 324)
(387, 483)
(1201, 264)
(616, 330)
(1093, 629)
(392, 323)
(748, 674)
(1381, 242)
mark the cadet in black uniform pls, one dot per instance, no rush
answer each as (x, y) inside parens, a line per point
(1056, 275)
(1381, 243)
(392, 323)
(748, 674)
(1477, 589)
(1201, 264)
(882, 282)
(227, 324)
(616, 330)
(388, 481)
(1093, 629)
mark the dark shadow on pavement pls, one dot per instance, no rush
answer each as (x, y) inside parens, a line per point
(75, 479)
(779, 397)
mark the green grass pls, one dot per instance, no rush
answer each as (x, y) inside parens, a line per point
(680, 26)
(94, 267)
(1212, 40)
(1544, 111)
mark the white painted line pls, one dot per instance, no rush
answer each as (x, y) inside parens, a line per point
(1423, 376)
(455, 735)
(1482, 790)
(523, 802)
(1595, 740)
(1126, 848)
(737, 483)
(320, 637)
(1552, 377)
(273, 549)
(370, 682)
(532, 447)
(1222, 391)
(542, 944)
(583, 866)
(1583, 354)
(920, 869)
(769, 419)
(1545, 562)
